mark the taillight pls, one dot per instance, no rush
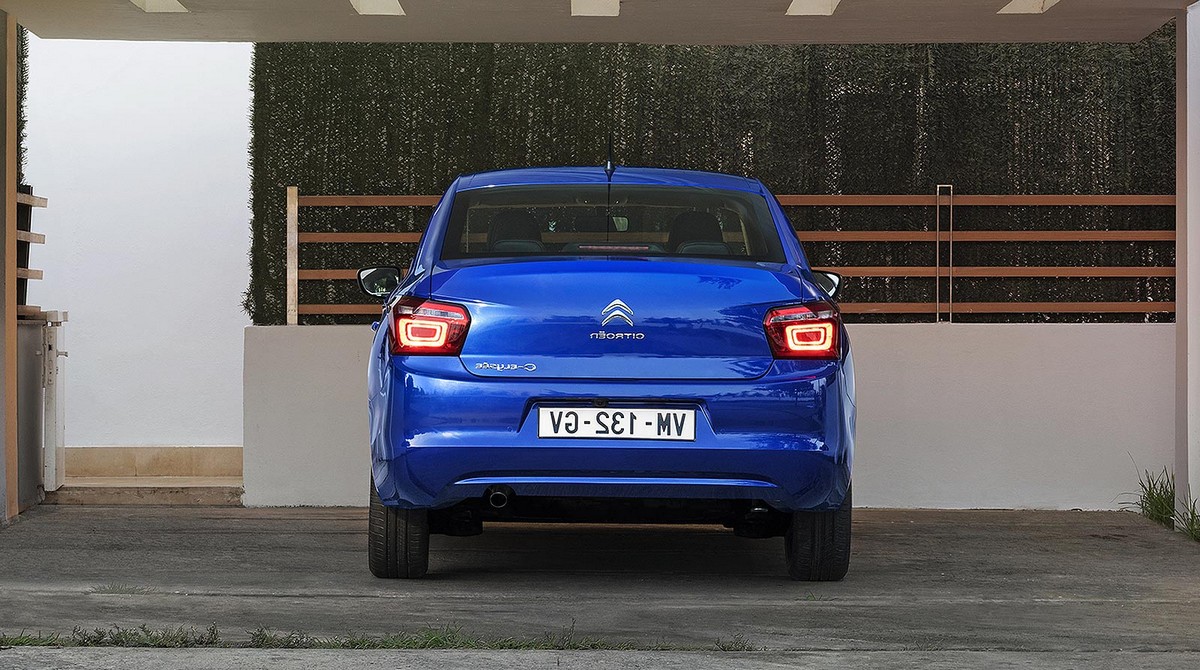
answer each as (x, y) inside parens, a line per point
(428, 327)
(804, 331)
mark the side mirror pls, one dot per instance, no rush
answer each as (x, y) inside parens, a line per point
(828, 281)
(379, 282)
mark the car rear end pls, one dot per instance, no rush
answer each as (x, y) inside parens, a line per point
(649, 349)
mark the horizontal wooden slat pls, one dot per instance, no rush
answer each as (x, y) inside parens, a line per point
(360, 238)
(888, 307)
(32, 238)
(978, 200)
(857, 200)
(341, 309)
(1005, 271)
(816, 236)
(31, 200)
(900, 271)
(369, 200)
(315, 275)
(1063, 201)
(897, 308)
(987, 236)
(26, 273)
(809, 200)
(1009, 307)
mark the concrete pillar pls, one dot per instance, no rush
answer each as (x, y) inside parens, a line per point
(8, 260)
(1187, 256)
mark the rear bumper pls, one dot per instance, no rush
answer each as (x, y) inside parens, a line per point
(440, 435)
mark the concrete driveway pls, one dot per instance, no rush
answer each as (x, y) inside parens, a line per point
(924, 581)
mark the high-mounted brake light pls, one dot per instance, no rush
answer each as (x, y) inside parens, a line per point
(428, 327)
(804, 331)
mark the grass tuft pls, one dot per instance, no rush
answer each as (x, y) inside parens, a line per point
(30, 640)
(115, 588)
(1156, 500)
(737, 643)
(1187, 520)
(144, 636)
(448, 637)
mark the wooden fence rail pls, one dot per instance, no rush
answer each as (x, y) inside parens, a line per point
(295, 238)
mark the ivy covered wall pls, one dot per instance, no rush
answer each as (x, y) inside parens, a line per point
(22, 87)
(990, 119)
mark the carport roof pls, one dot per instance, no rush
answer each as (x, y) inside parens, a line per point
(648, 21)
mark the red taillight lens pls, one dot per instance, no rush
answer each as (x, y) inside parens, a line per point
(804, 331)
(428, 327)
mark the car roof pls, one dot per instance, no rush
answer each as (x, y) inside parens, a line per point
(635, 176)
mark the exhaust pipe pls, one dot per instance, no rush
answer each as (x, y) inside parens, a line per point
(499, 496)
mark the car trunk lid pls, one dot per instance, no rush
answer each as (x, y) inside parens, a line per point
(618, 318)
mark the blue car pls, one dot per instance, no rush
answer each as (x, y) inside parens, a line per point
(610, 345)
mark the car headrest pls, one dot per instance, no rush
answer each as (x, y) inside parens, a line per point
(694, 227)
(512, 224)
(704, 249)
(518, 246)
(594, 222)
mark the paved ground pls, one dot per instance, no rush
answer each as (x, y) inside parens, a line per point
(924, 581)
(243, 659)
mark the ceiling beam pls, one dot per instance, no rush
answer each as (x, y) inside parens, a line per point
(595, 7)
(378, 7)
(813, 7)
(1027, 7)
(160, 6)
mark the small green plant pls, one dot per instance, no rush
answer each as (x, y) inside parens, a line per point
(447, 637)
(144, 636)
(29, 640)
(115, 588)
(1156, 499)
(1187, 520)
(737, 643)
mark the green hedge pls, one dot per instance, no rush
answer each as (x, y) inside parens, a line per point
(408, 118)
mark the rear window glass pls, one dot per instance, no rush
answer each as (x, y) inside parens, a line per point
(591, 220)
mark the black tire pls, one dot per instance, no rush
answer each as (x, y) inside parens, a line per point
(397, 541)
(817, 546)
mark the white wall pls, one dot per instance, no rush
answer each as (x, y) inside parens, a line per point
(142, 150)
(949, 415)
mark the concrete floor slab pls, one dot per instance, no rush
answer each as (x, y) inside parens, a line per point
(274, 659)
(1077, 582)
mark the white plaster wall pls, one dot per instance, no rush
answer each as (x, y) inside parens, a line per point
(949, 415)
(142, 151)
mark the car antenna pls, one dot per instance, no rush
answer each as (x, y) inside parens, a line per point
(609, 166)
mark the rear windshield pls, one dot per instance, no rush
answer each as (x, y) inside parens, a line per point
(591, 220)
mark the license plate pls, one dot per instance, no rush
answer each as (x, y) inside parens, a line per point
(625, 423)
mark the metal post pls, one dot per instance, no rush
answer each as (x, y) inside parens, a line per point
(945, 191)
(293, 255)
(54, 412)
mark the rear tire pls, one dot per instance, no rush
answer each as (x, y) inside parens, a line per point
(397, 540)
(817, 545)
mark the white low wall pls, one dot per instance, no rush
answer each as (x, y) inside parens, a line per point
(949, 415)
(305, 440)
(1011, 415)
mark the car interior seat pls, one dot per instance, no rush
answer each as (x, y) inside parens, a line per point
(514, 231)
(697, 233)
